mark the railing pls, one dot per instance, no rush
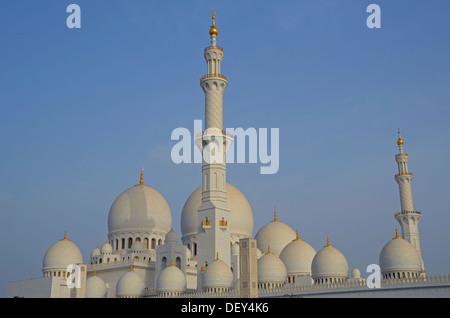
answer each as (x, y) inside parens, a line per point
(213, 48)
(403, 174)
(407, 212)
(213, 75)
(292, 289)
(199, 134)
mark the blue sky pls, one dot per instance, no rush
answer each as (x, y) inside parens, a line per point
(83, 109)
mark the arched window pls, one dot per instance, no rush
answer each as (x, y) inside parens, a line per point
(130, 242)
(163, 263)
(159, 242)
(153, 243)
(138, 239)
(123, 243)
(145, 246)
(178, 262)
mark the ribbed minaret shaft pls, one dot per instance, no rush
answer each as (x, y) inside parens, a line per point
(407, 217)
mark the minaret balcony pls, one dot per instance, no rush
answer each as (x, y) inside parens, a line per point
(403, 174)
(407, 212)
(213, 48)
(213, 76)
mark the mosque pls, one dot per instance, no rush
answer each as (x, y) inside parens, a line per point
(217, 256)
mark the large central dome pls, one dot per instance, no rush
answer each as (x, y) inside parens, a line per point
(140, 208)
(241, 221)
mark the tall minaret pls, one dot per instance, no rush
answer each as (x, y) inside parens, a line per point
(213, 213)
(407, 217)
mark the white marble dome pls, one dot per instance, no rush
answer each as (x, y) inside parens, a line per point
(329, 263)
(298, 256)
(171, 237)
(271, 269)
(398, 255)
(241, 220)
(356, 273)
(95, 287)
(61, 254)
(276, 234)
(140, 208)
(107, 248)
(171, 280)
(130, 285)
(95, 252)
(217, 275)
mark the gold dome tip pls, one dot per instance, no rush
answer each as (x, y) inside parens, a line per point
(213, 30)
(399, 141)
(65, 237)
(142, 176)
(396, 234)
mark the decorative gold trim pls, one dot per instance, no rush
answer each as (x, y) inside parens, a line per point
(213, 75)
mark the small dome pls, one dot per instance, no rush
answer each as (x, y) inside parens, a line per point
(171, 237)
(140, 208)
(298, 256)
(241, 219)
(276, 234)
(329, 262)
(95, 252)
(356, 273)
(95, 287)
(107, 248)
(271, 269)
(398, 255)
(130, 285)
(217, 275)
(171, 280)
(61, 254)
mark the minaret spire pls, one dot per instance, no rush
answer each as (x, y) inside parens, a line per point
(407, 217)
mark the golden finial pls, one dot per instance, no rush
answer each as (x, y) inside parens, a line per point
(213, 30)
(203, 268)
(142, 176)
(217, 257)
(399, 141)
(275, 214)
(171, 262)
(65, 236)
(297, 238)
(131, 268)
(95, 272)
(268, 249)
(396, 234)
(328, 242)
